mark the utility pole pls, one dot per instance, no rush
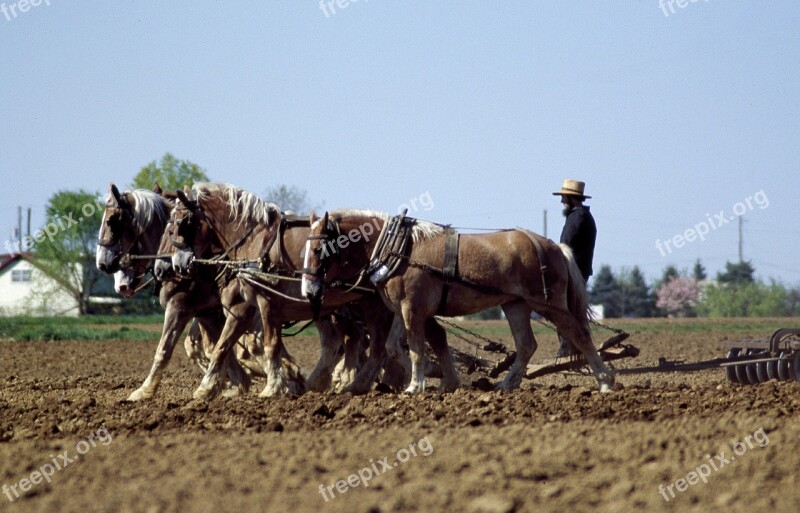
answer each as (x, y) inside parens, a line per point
(741, 256)
(19, 229)
(545, 224)
(28, 233)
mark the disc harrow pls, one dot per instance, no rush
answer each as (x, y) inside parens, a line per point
(754, 361)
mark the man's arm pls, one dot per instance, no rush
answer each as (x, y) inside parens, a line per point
(571, 227)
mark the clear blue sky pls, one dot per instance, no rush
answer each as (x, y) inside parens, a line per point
(485, 106)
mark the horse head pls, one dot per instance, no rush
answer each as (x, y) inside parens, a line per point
(133, 223)
(116, 227)
(318, 257)
(216, 220)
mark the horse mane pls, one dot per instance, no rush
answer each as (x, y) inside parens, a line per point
(147, 205)
(244, 205)
(421, 230)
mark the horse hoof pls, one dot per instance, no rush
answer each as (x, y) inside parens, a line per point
(232, 392)
(139, 395)
(355, 389)
(202, 394)
(274, 391)
(413, 388)
(606, 389)
(449, 387)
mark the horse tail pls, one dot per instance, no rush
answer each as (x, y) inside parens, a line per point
(577, 296)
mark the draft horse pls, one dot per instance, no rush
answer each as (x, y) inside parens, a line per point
(257, 258)
(424, 269)
(132, 226)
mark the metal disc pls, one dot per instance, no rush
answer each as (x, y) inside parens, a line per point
(772, 370)
(795, 365)
(741, 373)
(730, 372)
(783, 368)
(750, 368)
(761, 370)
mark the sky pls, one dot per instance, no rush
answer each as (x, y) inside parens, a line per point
(470, 113)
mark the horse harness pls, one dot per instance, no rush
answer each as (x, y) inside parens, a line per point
(392, 249)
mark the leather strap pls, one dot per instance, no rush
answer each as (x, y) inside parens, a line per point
(543, 260)
(449, 265)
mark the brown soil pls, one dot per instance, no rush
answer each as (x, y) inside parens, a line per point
(555, 445)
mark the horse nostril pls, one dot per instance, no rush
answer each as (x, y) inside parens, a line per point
(103, 267)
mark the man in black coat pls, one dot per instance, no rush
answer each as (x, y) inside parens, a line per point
(579, 234)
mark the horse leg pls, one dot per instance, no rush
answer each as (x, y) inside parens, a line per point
(329, 343)
(393, 347)
(175, 319)
(394, 375)
(355, 353)
(196, 350)
(437, 338)
(415, 330)
(518, 314)
(249, 345)
(245, 347)
(199, 344)
(581, 338)
(236, 322)
(277, 382)
(381, 334)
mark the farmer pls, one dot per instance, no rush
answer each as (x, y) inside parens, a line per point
(579, 234)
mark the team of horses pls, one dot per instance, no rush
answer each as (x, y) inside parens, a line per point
(238, 268)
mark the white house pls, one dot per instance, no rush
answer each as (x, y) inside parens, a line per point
(26, 290)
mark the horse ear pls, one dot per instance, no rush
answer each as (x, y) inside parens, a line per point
(325, 217)
(311, 218)
(187, 189)
(182, 198)
(114, 193)
(157, 188)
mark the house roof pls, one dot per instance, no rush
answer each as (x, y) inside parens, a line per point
(9, 258)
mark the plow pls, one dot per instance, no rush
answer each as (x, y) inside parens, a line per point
(747, 362)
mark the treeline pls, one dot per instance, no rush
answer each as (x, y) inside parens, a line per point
(734, 293)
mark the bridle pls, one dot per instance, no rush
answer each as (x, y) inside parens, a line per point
(332, 232)
(115, 238)
(195, 209)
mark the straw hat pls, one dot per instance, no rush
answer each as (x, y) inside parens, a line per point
(572, 188)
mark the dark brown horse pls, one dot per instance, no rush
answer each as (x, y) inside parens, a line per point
(257, 266)
(504, 268)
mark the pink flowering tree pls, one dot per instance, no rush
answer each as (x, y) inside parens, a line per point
(678, 296)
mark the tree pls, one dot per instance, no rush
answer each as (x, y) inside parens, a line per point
(290, 198)
(65, 247)
(699, 272)
(667, 274)
(170, 174)
(637, 299)
(606, 291)
(679, 296)
(755, 299)
(741, 272)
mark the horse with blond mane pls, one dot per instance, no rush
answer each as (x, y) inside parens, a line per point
(257, 268)
(423, 269)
